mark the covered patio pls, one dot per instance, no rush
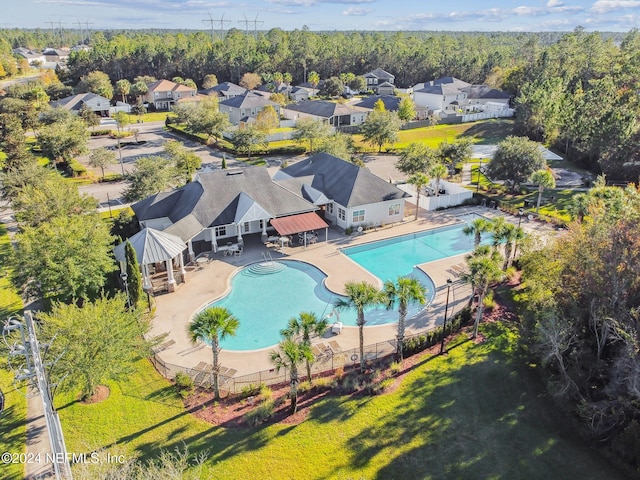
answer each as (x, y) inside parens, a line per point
(304, 225)
(155, 252)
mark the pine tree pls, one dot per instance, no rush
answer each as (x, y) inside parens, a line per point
(134, 278)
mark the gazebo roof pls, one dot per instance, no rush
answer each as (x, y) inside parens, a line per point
(152, 246)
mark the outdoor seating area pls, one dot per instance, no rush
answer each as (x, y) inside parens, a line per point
(234, 249)
(307, 238)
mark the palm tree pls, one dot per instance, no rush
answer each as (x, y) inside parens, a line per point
(484, 268)
(544, 179)
(305, 325)
(360, 295)
(404, 290)
(418, 180)
(477, 228)
(289, 355)
(211, 326)
(579, 206)
(438, 171)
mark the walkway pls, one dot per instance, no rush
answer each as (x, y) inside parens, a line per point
(205, 285)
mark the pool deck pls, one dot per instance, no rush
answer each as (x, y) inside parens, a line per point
(212, 280)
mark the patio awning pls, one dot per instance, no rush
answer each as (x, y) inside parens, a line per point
(152, 246)
(298, 223)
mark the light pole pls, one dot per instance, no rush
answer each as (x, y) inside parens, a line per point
(515, 247)
(124, 278)
(446, 309)
(478, 183)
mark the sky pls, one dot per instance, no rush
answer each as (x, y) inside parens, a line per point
(326, 15)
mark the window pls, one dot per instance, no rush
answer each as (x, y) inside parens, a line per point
(342, 214)
(394, 209)
(330, 208)
(246, 227)
(261, 224)
(221, 231)
(358, 216)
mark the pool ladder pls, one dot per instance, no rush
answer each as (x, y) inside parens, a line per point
(266, 267)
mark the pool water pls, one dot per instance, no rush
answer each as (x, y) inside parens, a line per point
(264, 302)
(388, 259)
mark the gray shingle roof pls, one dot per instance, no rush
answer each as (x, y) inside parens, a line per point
(213, 199)
(341, 181)
(248, 100)
(484, 92)
(391, 102)
(379, 73)
(75, 102)
(324, 109)
(227, 88)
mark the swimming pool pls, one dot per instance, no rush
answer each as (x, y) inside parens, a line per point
(388, 259)
(264, 301)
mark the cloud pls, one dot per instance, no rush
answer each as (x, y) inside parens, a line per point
(308, 3)
(357, 12)
(604, 6)
(554, 3)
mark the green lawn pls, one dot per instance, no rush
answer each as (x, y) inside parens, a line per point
(484, 132)
(12, 419)
(477, 413)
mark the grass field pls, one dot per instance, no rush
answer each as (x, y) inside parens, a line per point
(476, 413)
(487, 132)
(12, 419)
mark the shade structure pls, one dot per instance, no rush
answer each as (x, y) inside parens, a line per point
(303, 222)
(152, 246)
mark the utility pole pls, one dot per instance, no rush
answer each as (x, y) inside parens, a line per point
(86, 24)
(246, 24)
(255, 26)
(210, 22)
(222, 24)
(32, 370)
(81, 34)
(53, 31)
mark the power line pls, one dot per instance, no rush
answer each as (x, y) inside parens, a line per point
(213, 21)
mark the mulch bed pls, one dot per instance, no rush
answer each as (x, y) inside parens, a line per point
(102, 393)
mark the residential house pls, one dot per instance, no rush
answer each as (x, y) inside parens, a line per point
(57, 55)
(163, 94)
(311, 90)
(245, 108)
(97, 103)
(450, 95)
(33, 57)
(335, 114)
(391, 102)
(225, 90)
(380, 81)
(349, 196)
(221, 206)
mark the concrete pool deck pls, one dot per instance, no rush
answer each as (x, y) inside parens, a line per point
(211, 281)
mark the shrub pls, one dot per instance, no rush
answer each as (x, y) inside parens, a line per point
(75, 168)
(260, 413)
(100, 133)
(395, 368)
(488, 301)
(324, 383)
(339, 373)
(304, 387)
(184, 384)
(250, 390)
(265, 392)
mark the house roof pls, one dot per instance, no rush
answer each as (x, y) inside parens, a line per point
(217, 198)
(226, 89)
(248, 100)
(166, 86)
(75, 102)
(484, 92)
(379, 73)
(339, 180)
(391, 102)
(324, 109)
(298, 223)
(151, 246)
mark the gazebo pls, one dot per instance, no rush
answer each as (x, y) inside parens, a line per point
(151, 247)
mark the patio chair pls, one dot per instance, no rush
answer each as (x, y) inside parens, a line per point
(238, 251)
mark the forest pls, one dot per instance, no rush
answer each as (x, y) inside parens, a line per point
(575, 91)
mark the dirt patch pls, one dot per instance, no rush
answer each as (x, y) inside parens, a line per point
(102, 393)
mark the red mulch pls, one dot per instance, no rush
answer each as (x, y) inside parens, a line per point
(230, 411)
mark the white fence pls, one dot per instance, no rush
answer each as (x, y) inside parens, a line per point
(454, 195)
(472, 117)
